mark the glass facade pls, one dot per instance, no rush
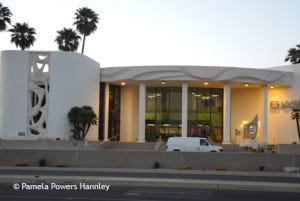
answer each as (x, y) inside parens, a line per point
(205, 113)
(114, 114)
(163, 112)
(101, 111)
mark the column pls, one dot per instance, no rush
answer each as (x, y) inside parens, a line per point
(106, 112)
(265, 114)
(184, 110)
(142, 110)
(226, 113)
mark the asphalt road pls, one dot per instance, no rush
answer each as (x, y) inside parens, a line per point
(134, 193)
(204, 176)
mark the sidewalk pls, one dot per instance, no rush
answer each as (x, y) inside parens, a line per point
(158, 182)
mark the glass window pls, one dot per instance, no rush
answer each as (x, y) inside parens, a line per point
(114, 112)
(205, 113)
(203, 142)
(163, 112)
(101, 111)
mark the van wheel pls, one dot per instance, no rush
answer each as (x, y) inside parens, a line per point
(176, 150)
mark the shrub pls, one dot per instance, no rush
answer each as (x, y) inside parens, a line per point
(220, 168)
(61, 165)
(262, 147)
(156, 165)
(186, 167)
(22, 164)
(42, 162)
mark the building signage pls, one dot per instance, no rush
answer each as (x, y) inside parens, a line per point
(285, 104)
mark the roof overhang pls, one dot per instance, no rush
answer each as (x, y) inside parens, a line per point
(190, 73)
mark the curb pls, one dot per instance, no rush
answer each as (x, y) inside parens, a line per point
(156, 182)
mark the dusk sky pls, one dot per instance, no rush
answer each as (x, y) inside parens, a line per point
(241, 33)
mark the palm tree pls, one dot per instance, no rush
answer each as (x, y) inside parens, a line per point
(293, 55)
(86, 22)
(22, 35)
(81, 118)
(67, 40)
(5, 15)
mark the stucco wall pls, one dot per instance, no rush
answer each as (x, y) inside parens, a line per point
(129, 113)
(245, 104)
(74, 81)
(282, 129)
(13, 93)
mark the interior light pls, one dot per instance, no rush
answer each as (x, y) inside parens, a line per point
(123, 83)
(246, 84)
(205, 83)
(272, 86)
(163, 82)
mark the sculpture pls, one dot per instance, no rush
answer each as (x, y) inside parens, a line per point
(250, 129)
(38, 93)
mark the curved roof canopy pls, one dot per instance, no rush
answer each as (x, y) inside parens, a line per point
(187, 73)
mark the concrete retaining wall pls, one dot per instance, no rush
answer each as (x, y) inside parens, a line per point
(50, 144)
(289, 148)
(146, 159)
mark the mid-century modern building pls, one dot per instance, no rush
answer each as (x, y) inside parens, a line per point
(144, 103)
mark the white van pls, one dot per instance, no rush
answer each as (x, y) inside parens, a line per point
(191, 144)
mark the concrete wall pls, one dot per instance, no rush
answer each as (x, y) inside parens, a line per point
(146, 159)
(129, 113)
(13, 93)
(74, 81)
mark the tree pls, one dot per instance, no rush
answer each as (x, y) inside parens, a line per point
(67, 40)
(86, 22)
(5, 16)
(81, 119)
(295, 115)
(293, 55)
(22, 35)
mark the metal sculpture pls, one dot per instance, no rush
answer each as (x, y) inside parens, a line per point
(250, 129)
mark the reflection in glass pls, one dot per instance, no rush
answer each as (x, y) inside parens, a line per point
(163, 112)
(205, 113)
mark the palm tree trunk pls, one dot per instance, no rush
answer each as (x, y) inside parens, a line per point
(83, 44)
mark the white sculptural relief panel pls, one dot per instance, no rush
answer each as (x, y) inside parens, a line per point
(38, 94)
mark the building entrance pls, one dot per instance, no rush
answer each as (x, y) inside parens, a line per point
(113, 112)
(205, 113)
(163, 113)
